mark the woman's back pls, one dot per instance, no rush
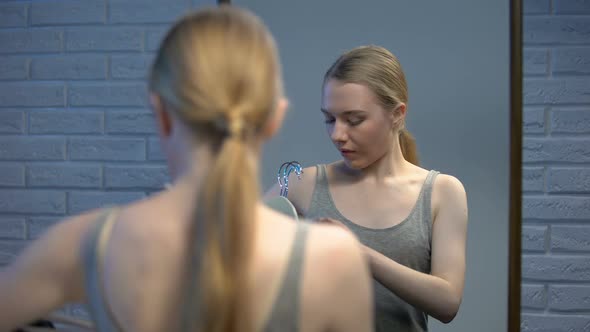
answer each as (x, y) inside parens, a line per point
(298, 273)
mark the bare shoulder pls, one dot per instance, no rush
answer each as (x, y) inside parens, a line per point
(65, 239)
(449, 194)
(71, 230)
(56, 255)
(333, 250)
(448, 184)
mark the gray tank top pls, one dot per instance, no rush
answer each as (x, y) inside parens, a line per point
(283, 317)
(407, 243)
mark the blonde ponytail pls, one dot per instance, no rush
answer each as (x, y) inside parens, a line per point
(408, 147)
(230, 197)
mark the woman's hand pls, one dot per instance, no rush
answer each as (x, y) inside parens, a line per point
(331, 221)
(367, 252)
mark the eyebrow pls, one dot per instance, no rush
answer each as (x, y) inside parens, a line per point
(349, 112)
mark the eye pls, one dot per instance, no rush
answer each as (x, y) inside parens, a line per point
(329, 119)
(355, 121)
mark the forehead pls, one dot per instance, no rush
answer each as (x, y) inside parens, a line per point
(341, 96)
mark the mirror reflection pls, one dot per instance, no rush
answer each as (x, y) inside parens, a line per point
(384, 123)
(455, 104)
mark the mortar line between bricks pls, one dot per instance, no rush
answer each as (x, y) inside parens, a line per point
(28, 14)
(570, 75)
(581, 312)
(568, 194)
(568, 282)
(109, 26)
(67, 24)
(547, 239)
(557, 222)
(558, 254)
(565, 46)
(554, 164)
(26, 122)
(569, 135)
(28, 65)
(107, 12)
(143, 41)
(545, 179)
(31, 53)
(103, 180)
(556, 105)
(547, 119)
(565, 284)
(109, 71)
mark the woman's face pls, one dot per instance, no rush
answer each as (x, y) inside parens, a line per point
(357, 124)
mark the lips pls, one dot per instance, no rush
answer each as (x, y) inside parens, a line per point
(346, 152)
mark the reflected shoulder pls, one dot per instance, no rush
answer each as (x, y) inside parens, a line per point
(301, 189)
(449, 185)
(449, 197)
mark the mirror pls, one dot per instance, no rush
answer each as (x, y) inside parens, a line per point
(456, 58)
(77, 132)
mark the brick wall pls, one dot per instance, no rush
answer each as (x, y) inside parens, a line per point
(556, 174)
(75, 129)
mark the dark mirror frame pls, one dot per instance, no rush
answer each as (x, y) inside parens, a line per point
(515, 195)
(515, 205)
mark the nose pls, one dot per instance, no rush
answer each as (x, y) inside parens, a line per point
(338, 132)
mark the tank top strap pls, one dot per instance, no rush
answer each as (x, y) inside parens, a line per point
(320, 198)
(286, 310)
(94, 249)
(426, 203)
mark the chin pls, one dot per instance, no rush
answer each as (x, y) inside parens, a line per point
(355, 164)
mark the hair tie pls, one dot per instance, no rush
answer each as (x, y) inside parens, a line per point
(236, 127)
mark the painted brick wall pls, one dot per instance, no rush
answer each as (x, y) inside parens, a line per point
(556, 174)
(75, 129)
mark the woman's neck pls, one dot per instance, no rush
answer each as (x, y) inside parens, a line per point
(191, 167)
(392, 164)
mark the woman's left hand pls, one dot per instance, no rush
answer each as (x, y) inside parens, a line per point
(331, 222)
(367, 252)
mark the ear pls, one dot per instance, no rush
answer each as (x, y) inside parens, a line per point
(398, 115)
(275, 121)
(163, 118)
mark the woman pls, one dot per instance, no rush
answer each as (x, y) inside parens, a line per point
(204, 255)
(411, 221)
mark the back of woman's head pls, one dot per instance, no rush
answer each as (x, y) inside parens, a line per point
(217, 71)
(216, 65)
(379, 70)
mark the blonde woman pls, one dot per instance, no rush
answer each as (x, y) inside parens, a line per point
(412, 222)
(204, 255)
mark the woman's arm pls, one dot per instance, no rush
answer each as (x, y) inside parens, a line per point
(46, 275)
(438, 294)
